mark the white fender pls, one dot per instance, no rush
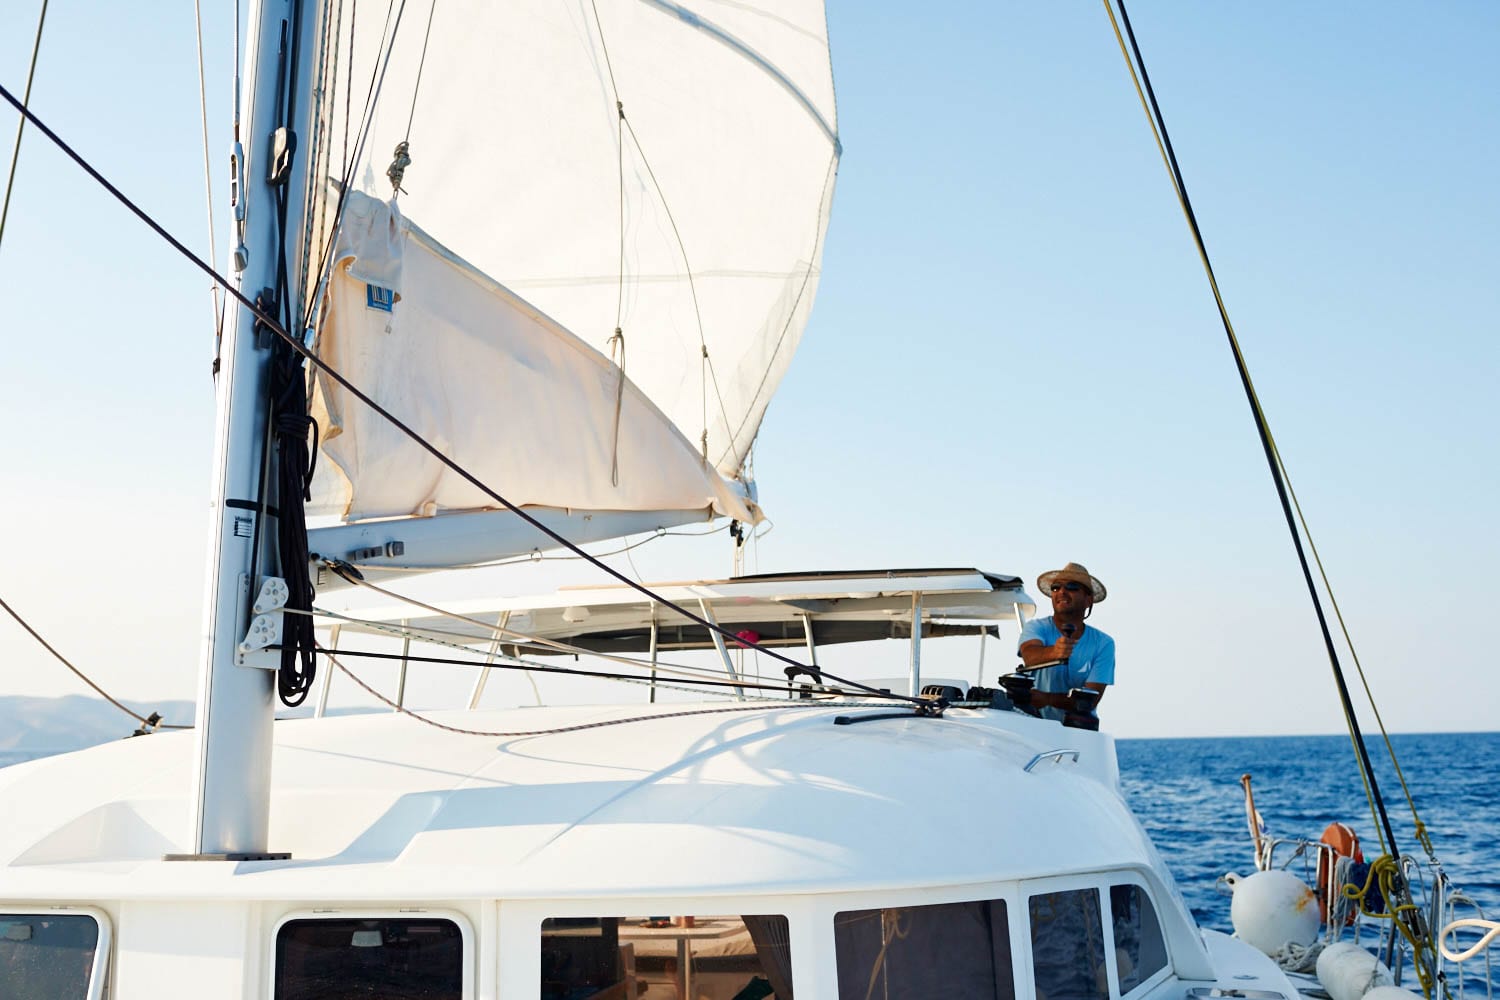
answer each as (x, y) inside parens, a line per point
(1273, 909)
(1348, 972)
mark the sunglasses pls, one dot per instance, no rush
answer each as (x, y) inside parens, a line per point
(1071, 588)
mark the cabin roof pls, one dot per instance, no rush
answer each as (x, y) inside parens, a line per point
(779, 800)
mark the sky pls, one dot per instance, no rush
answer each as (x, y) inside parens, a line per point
(1014, 360)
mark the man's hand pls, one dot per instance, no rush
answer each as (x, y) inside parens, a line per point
(1063, 647)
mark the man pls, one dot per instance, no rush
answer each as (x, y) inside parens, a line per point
(1089, 654)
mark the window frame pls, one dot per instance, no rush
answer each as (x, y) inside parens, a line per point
(103, 946)
(1103, 882)
(470, 962)
(1161, 974)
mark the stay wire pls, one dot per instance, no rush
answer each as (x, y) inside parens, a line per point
(568, 671)
(377, 83)
(143, 720)
(1261, 425)
(564, 647)
(15, 153)
(421, 65)
(464, 643)
(766, 706)
(1420, 827)
(208, 179)
(272, 325)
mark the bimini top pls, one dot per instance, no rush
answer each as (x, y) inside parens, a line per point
(778, 609)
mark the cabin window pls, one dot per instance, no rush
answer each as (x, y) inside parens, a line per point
(47, 956)
(395, 958)
(745, 957)
(1140, 951)
(958, 951)
(1067, 945)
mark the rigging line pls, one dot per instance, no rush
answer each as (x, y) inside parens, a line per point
(1421, 827)
(15, 153)
(1261, 424)
(552, 643)
(713, 375)
(79, 673)
(388, 33)
(421, 65)
(567, 671)
(462, 642)
(618, 338)
(208, 180)
(568, 648)
(682, 247)
(760, 707)
(296, 344)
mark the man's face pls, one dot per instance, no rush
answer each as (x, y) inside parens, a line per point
(1070, 597)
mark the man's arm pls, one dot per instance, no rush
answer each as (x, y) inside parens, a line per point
(1033, 652)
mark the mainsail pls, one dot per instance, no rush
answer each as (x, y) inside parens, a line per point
(664, 170)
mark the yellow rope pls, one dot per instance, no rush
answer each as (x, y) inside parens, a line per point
(1386, 871)
(1421, 828)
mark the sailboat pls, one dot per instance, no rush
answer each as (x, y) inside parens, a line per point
(838, 839)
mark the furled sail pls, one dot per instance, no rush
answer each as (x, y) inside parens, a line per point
(577, 167)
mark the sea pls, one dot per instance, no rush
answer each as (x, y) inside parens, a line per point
(1187, 794)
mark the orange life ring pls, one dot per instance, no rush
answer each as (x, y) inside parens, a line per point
(1345, 844)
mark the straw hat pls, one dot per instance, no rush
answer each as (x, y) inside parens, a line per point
(1075, 573)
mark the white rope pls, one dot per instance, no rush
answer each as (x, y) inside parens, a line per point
(1294, 957)
(1492, 931)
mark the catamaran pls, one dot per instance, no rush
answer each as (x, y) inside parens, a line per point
(523, 276)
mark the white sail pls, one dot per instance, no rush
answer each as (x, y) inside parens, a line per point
(476, 371)
(694, 224)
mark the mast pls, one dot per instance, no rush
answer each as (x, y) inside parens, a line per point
(236, 691)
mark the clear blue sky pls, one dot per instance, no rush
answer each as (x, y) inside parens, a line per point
(1014, 360)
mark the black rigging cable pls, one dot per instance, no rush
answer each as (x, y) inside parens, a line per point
(529, 667)
(272, 325)
(143, 720)
(1263, 430)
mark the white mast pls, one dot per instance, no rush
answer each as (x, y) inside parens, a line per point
(231, 808)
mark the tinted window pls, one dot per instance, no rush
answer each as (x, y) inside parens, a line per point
(1139, 948)
(1067, 945)
(46, 956)
(745, 957)
(386, 957)
(957, 951)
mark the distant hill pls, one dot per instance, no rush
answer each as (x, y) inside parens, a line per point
(46, 725)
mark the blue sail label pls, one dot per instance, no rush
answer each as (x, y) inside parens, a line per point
(379, 298)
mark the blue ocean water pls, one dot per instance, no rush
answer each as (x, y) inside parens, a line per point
(1187, 794)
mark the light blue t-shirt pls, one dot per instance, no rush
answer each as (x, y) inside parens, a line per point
(1093, 660)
